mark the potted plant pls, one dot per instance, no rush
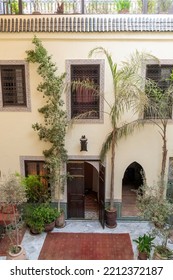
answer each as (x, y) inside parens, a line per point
(152, 206)
(162, 252)
(49, 215)
(157, 210)
(123, 6)
(33, 218)
(12, 198)
(144, 245)
(128, 94)
(53, 129)
(60, 220)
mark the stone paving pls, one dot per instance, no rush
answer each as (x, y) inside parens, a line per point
(34, 243)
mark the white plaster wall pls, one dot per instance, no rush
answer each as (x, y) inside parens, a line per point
(17, 136)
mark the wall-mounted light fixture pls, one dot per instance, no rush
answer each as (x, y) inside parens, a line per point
(83, 143)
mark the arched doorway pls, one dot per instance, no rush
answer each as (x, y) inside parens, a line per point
(132, 180)
(86, 190)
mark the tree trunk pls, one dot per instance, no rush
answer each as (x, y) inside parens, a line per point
(112, 171)
(164, 158)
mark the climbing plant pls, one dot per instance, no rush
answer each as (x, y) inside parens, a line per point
(53, 129)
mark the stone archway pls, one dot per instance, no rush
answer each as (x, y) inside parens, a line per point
(132, 180)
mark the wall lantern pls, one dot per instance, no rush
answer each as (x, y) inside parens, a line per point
(83, 143)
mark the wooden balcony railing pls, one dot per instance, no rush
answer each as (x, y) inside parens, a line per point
(86, 7)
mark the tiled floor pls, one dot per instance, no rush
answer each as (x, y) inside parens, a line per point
(129, 208)
(91, 206)
(33, 244)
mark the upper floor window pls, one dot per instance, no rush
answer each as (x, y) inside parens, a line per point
(158, 91)
(13, 85)
(14, 93)
(85, 99)
(85, 91)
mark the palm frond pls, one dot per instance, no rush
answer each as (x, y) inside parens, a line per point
(86, 115)
(128, 128)
(112, 65)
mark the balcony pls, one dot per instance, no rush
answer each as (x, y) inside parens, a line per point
(88, 7)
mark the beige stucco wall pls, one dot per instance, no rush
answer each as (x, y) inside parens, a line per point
(17, 136)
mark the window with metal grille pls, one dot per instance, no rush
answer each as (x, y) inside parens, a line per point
(160, 74)
(13, 85)
(85, 91)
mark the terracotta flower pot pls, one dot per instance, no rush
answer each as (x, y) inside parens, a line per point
(49, 227)
(157, 256)
(142, 256)
(60, 221)
(111, 218)
(21, 255)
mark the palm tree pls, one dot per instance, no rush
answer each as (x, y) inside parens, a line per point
(129, 94)
(159, 109)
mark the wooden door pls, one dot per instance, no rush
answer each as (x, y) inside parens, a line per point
(102, 195)
(75, 190)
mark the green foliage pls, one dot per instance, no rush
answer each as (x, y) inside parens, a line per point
(152, 207)
(165, 252)
(53, 130)
(160, 101)
(37, 215)
(159, 107)
(145, 243)
(36, 190)
(152, 5)
(157, 210)
(165, 5)
(33, 217)
(14, 7)
(48, 213)
(128, 96)
(13, 196)
(12, 191)
(122, 5)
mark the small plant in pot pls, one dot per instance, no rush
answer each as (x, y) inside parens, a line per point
(49, 215)
(33, 218)
(144, 244)
(123, 6)
(13, 196)
(162, 251)
(156, 209)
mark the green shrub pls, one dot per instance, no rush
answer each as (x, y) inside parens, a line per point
(36, 190)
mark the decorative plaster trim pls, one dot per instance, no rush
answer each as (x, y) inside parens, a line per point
(101, 62)
(24, 158)
(26, 108)
(84, 158)
(87, 23)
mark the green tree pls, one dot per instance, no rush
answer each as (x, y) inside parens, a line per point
(159, 109)
(129, 94)
(53, 129)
